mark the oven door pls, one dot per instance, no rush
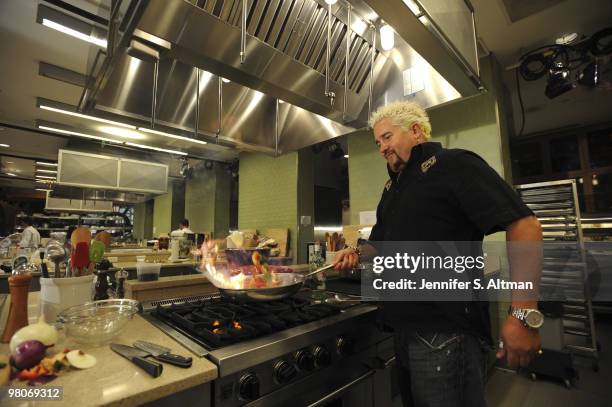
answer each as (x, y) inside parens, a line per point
(346, 384)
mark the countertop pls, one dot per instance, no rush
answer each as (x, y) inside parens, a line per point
(115, 381)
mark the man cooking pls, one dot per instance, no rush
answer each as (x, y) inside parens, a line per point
(438, 194)
(30, 238)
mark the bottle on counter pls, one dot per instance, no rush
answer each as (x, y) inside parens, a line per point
(19, 286)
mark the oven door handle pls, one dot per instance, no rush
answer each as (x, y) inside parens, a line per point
(343, 389)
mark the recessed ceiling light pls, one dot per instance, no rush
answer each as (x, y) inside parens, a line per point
(47, 171)
(45, 163)
(85, 116)
(162, 133)
(346, 156)
(331, 2)
(74, 33)
(225, 80)
(45, 177)
(4, 145)
(121, 132)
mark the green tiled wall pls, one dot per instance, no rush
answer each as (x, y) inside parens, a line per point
(207, 196)
(169, 208)
(274, 192)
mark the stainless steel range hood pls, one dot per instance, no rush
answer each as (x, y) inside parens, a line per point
(196, 44)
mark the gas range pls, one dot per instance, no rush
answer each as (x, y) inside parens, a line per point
(262, 349)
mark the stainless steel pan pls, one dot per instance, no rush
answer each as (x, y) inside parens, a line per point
(291, 285)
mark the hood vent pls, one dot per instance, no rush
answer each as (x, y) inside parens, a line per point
(285, 59)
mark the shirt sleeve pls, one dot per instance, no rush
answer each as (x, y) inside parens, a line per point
(487, 200)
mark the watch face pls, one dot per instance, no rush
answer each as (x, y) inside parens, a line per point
(534, 319)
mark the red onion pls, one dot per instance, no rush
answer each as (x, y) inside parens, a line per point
(28, 354)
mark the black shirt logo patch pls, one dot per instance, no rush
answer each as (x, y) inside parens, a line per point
(388, 185)
(426, 165)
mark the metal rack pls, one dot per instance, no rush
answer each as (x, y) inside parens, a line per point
(564, 271)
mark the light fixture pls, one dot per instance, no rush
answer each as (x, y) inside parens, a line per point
(558, 81)
(331, 2)
(346, 156)
(40, 181)
(281, 101)
(387, 37)
(155, 148)
(567, 38)
(47, 171)
(4, 145)
(75, 133)
(121, 132)
(225, 80)
(174, 136)
(413, 7)
(45, 163)
(10, 162)
(85, 116)
(11, 174)
(42, 189)
(74, 33)
(45, 177)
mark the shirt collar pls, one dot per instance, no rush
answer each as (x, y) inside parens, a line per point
(419, 153)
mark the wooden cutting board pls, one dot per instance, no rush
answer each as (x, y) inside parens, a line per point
(168, 287)
(281, 235)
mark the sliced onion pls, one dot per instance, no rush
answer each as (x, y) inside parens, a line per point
(80, 359)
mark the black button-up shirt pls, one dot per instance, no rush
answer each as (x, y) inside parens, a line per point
(443, 195)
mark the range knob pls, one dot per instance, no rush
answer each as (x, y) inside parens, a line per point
(322, 356)
(284, 371)
(249, 386)
(344, 346)
(305, 360)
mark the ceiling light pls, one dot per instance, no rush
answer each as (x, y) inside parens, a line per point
(45, 177)
(4, 145)
(40, 181)
(387, 37)
(121, 132)
(42, 189)
(225, 80)
(10, 162)
(11, 174)
(48, 164)
(75, 133)
(280, 101)
(85, 116)
(413, 7)
(567, 38)
(155, 148)
(346, 156)
(161, 133)
(74, 33)
(331, 2)
(47, 171)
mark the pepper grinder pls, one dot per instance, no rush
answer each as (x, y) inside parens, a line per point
(19, 285)
(121, 276)
(101, 286)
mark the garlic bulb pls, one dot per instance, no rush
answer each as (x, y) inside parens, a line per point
(39, 331)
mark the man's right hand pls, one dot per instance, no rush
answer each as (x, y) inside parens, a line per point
(346, 259)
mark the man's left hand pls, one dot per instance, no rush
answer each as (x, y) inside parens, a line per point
(520, 344)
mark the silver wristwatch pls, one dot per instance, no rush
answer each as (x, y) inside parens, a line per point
(531, 318)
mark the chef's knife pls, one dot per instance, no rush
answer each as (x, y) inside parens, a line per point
(163, 354)
(138, 358)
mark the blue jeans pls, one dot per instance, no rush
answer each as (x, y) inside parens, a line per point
(440, 369)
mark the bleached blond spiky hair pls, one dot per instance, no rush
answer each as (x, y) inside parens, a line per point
(403, 114)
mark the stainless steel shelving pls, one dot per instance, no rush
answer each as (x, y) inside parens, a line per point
(565, 270)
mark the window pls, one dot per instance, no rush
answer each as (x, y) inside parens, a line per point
(564, 155)
(600, 148)
(527, 158)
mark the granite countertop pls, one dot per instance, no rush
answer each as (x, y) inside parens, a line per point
(115, 380)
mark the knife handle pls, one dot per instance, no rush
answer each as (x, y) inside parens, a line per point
(152, 368)
(173, 359)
